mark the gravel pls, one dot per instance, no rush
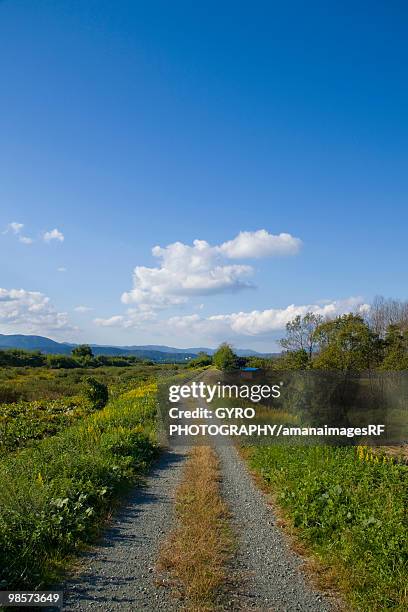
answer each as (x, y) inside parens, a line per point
(265, 571)
(264, 574)
(118, 574)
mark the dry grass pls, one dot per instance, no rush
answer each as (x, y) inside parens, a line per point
(399, 453)
(197, 550)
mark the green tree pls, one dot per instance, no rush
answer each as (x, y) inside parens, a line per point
(396, 349)
(347, 343)
(224, 358)
(82, 351)
(258, 362)
(300, 333)
(292, 360)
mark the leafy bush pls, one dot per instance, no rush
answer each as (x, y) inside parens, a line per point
(96, 392)
(200, 361)
(62, 361)
(19, 357)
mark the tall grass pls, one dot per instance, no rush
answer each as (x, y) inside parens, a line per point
(350, 508)
(55, 495)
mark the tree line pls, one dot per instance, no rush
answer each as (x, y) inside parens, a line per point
(377, 339)
(81, 357)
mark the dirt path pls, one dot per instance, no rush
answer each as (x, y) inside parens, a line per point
(266, 571)
(118, 573)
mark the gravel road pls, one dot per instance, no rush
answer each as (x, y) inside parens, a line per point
(264, 574)
(267, 573)
(118, 573)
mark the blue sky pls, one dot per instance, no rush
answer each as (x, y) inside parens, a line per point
(126, 125)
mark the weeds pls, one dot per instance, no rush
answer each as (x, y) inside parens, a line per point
(56, 494)
(349, 507)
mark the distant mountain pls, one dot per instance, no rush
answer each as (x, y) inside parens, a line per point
(46, 345)
(149, 351)
(196, 350)
(34, 343)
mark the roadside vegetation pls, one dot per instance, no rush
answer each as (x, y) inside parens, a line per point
(63, 465)
(347, 505)
(197, 550)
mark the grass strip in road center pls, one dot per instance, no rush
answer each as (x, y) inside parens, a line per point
(198, 549)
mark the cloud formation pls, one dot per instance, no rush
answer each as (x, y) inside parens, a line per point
(233, 326)
(260, 244)
(263, 322)
(133, 318)
(15, 228)
(81, 308)
(54, 234)
(186, 271)
(29, 312)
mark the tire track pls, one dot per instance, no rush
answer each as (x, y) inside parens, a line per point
(266, 572)
(118, 573)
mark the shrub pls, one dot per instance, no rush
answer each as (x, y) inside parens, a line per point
(62, 361)
(96, 392)
(83, 351)
(200, 361)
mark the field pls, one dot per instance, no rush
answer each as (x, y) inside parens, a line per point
(66, 462)
(32, 384)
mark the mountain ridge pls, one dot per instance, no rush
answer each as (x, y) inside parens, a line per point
(156, 352)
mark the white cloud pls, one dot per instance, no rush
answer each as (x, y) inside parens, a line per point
(133, 318)
(54, 234)
(61, 269)
(29, 312)
(115, 321)
(260, 244)
(186, 271)
(259, 322)
(15, 228)
(233, 326)
(83, 309)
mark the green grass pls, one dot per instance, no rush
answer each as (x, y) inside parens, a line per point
(55, 495)
(351, 512)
